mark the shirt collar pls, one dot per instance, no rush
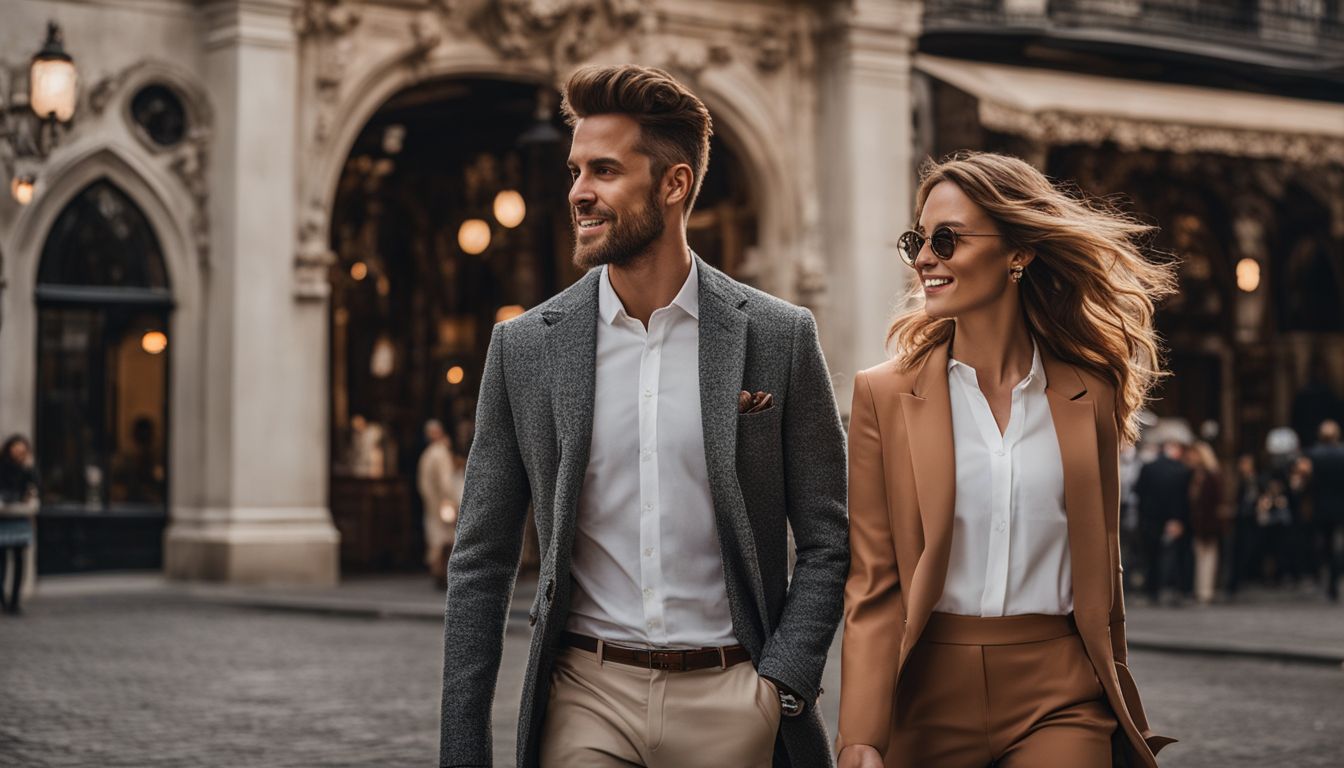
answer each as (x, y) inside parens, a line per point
(1035, 377)
(609, 305)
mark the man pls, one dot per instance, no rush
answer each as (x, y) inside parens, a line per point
(1163, 490)
(439, 482)
(1327, 495)
(668, 424)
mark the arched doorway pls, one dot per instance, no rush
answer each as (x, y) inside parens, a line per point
(414, 298)
(103, 300)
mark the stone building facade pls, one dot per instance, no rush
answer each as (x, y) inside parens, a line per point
(281, 185)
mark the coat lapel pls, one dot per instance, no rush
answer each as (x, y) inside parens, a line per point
(1074, 415)
(572, 345)
(928, 424)
(722, 358)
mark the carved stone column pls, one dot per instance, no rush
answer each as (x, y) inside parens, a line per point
(867, 162)
(263, 515)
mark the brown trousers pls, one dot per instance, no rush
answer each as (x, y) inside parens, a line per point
(608, 715)
(1012, 692)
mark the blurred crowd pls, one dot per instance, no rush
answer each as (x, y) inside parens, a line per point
(1193, 533)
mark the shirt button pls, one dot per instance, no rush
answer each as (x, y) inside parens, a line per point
(648, 593)
(1000, 525)
(648, 551)
(648, 507)
(648, 393)
(998, 451)
(645, 454)
(653, 624)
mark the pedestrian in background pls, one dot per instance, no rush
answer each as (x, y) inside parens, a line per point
(440, 485)
(1298, 557)
(1326, 465)
(1274, 517)
(1206, 517)
(1163, 489)
(18, 503)
(1243, 550)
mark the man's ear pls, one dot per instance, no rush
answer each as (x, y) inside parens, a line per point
(677, 185)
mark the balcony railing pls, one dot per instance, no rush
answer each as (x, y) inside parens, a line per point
(1307, 28)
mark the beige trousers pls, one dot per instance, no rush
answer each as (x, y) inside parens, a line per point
(1206, 569)
(605, 715)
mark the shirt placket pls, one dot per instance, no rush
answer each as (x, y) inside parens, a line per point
(994, 596)
(650, 543)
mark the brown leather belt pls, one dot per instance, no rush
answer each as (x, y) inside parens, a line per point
(650, 658)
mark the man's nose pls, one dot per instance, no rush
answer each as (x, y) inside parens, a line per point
(580, 194)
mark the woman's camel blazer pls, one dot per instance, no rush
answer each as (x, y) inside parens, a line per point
(902, 484)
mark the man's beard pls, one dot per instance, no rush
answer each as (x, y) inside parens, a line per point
(625, 241)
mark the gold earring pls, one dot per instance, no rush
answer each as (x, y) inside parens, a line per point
(1017, 271)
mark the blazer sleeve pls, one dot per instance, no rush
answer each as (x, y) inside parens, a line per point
(814, 460)
(481, 570)
(874, 608)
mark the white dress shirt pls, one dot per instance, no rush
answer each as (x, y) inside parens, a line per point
(1010, 538)
(647, 567)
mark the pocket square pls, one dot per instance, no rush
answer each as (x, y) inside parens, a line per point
(749, 403)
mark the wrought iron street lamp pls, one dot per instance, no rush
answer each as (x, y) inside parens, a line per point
(32, 117)
(52, 79)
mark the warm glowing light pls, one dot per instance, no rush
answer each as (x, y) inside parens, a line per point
(508, 312)
(359, 270)
(1248, 275)
(474, 236)
(22, 188)
(154, 342)
(510, 209)
(52, 79)
(456, 374)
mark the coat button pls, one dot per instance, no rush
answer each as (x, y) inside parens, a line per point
(532, 620)
(550, 590)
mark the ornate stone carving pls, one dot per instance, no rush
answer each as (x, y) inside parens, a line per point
(1057, 127)
(188, 160)
(772, 44)
(314, 257)
(327, 24)
(564, 32)
(190, 163)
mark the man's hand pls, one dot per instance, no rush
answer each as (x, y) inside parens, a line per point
(860, 756)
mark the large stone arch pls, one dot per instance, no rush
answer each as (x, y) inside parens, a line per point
(744, 116)
(69, 173)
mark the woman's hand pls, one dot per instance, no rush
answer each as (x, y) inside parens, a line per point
(860, 756)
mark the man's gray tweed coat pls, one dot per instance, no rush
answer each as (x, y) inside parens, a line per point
(533, 430)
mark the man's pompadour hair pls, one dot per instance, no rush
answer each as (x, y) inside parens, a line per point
(674, 124)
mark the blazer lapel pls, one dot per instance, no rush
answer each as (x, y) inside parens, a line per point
(572, 343)
(1074, 415)
(722, 358)
(928, 425)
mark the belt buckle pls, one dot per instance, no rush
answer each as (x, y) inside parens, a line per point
(667, 661)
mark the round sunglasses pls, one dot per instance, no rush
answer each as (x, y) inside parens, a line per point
(943, 242)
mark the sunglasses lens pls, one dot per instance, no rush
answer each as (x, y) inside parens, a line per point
(943, 243)
(909, 246)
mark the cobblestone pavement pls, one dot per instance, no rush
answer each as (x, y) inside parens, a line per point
(151, 679)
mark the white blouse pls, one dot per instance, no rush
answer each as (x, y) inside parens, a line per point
(1010, 542)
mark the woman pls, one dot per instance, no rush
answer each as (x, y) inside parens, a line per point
(984, 617)
(1206, 517)
(18, 501)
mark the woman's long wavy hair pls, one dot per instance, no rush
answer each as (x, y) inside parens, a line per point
(1089, 295)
